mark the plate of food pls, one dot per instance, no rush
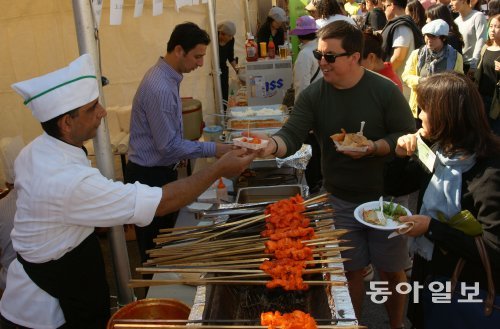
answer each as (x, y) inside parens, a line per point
(369, 214)
(253, 143)
(355, 142)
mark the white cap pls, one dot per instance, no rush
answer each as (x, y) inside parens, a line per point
(437, 27)
(61, 91)
(278, 14)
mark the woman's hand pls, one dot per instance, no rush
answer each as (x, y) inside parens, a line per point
(406, 145)
(421, 224)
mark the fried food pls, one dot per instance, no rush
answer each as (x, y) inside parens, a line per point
(295, 320)
(350, 139)
(371, 216)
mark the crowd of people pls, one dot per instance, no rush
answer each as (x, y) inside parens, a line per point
(443, 61)
(418, 72)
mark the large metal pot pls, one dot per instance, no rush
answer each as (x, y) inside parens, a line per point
(152, 309)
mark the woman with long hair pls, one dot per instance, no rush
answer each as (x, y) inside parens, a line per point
(440, 11)
(459, 206)
(330, 11)
(416, 11)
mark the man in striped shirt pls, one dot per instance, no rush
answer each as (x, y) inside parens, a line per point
(156, 133)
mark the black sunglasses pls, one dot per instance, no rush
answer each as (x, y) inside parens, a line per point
(330, 58)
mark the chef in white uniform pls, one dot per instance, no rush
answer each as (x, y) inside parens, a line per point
(58, 278)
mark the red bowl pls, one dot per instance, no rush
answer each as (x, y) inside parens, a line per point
(152, 309)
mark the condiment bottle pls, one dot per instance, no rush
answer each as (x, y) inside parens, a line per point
(251, 48)
(221, 192)
(271, 49)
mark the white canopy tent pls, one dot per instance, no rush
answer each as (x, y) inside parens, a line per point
(39, 36)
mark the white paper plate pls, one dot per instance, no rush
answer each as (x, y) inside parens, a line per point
(239, 142)
(340, 147)
(391, 224)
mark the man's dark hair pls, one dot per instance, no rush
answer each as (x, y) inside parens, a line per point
(351, 37)
(52, 128)
(373, 44)
(400, 3)
(187, 35)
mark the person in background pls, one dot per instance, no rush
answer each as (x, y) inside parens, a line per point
(58, 277)
(375, 19)
(8, 152)
(305, 72)
(274, 26)
(416, 11)
(488, 73)
(226, 31)
(401, 36)
(434, 57)
(347, 95)
(373, 58)
(493, 8)
(157, 144)
(472, 25)
(440, 11)
(466, 177)
(311, 9)
(352, 8)
(427, 3)
(475, 5)
(330, 11)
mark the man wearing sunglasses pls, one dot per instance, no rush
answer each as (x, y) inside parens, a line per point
(346, 95)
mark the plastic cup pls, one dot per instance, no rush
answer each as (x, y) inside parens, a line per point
(283, 52)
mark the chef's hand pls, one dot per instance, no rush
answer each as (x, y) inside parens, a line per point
(497, 65)
(421, 224)
(406, 145)
(234, 162)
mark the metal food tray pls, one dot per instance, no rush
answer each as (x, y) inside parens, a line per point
(233, 111)
(268, 193)
(253, 122)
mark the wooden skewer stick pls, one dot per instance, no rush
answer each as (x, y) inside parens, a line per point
(228, 255)
(149, 283)
(144, 324)
(253, 263)
(152, 270)
(185, 326)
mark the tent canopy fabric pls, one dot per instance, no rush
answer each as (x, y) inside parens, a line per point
(38, 37)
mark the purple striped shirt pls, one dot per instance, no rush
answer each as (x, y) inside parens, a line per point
(156, 137)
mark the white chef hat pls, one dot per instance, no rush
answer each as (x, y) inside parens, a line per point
(61, 91)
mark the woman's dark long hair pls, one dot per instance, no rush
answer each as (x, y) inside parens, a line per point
(417, 12)
(327, 8)
(455, 114)
(441, 11)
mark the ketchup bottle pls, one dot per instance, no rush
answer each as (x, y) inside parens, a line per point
(251, 48)
(271, 49)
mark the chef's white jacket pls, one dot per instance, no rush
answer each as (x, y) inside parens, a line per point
(61, 198)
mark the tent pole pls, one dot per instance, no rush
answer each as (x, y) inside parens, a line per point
(247, 14)
(215, 58)
(87, 43)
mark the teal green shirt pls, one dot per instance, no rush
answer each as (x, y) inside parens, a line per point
(325, 109)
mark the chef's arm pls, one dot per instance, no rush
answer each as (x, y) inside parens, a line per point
(182, 192)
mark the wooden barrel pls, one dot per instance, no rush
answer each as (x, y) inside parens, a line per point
(151, 309)
(192, 118)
